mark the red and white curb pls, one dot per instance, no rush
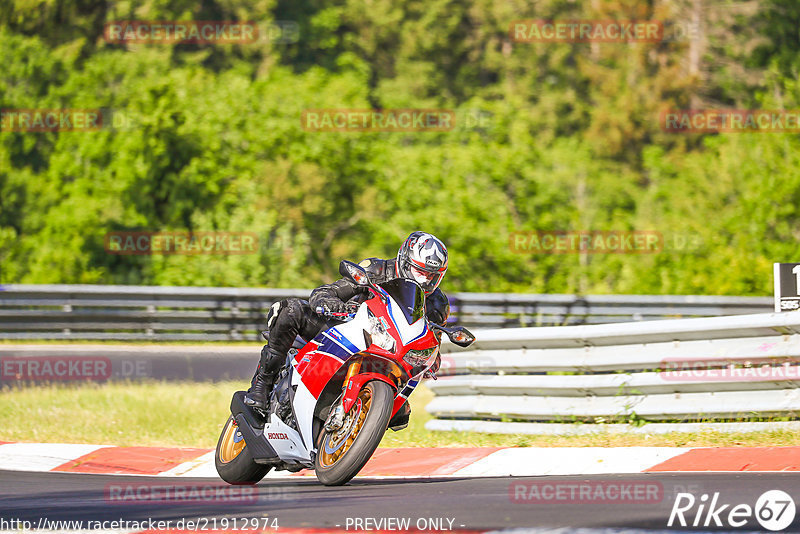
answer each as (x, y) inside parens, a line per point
(412, 461)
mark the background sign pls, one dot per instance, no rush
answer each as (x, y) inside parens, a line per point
(787, 286)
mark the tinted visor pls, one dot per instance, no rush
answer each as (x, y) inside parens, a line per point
(427, 280)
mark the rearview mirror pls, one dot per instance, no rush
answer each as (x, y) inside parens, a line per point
(353, 272)
(458, 334)
(461, 336)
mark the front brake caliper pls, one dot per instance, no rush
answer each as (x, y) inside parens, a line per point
(335, 419)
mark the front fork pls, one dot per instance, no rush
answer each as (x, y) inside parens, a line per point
(336, 418)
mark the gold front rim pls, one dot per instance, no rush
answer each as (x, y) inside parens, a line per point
(232, 442)
(335, 445)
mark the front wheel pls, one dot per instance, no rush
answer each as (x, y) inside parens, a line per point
(233, 460)
(343, 453)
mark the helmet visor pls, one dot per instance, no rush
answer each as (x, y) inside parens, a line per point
(427, 280)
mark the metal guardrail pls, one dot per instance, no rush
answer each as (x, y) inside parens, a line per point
(513, 310)
(227, 314)
(741, 368)
(512, 380)
(136, 312)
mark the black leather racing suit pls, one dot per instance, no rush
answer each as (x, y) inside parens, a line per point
(293, 317)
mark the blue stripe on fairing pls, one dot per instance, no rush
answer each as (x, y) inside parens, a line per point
(345, 342)
(424, 331)
(331, 346)
(389, 308)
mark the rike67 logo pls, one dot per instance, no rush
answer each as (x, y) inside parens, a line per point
(774, 510)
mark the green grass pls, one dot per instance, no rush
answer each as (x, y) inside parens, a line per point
(192, 414)
(155, 413)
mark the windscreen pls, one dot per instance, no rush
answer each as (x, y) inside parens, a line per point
(409, 296)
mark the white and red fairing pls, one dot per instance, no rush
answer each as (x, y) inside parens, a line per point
(321, 359)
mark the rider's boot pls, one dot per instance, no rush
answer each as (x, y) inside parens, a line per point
(259, 390)
(264, 379)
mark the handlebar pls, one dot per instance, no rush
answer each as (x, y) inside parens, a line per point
(349, 315)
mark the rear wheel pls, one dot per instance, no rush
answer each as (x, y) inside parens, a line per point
(233, 460)
(343, 453)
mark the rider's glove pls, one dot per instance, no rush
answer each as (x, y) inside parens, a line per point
(331, 307)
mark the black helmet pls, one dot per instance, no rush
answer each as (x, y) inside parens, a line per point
(422, 258)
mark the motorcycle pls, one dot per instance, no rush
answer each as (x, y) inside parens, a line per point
(338, 393)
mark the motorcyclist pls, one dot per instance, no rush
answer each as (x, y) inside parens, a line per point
(422, 257)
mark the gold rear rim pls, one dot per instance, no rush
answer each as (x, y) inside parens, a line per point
(336, 444)
(232, 442)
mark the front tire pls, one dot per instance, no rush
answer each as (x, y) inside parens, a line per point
(342, 454)
(233, 460)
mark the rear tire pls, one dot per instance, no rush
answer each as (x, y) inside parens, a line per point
(361, 441)
(233, 460)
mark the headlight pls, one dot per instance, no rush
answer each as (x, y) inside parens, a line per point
(378, 334)
(419, 358)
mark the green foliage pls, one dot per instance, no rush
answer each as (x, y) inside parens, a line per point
(569, 140)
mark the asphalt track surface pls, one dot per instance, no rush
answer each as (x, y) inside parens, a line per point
(459, 503)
